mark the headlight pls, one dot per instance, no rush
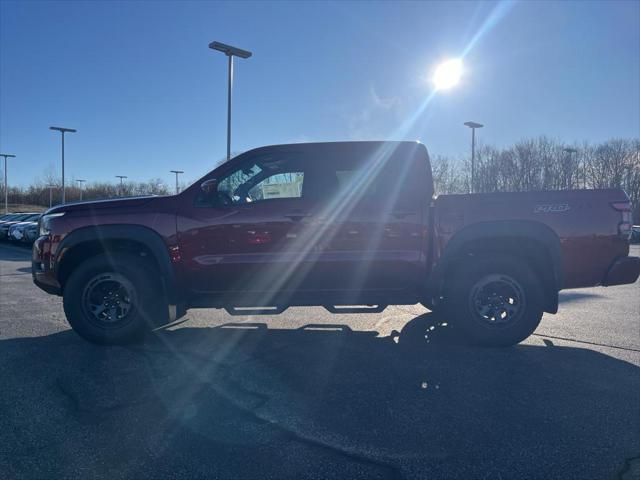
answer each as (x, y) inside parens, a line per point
(45, 222)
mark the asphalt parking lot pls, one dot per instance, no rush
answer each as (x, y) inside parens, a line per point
(311, 395)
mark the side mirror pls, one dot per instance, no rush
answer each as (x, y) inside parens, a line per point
(210, 187)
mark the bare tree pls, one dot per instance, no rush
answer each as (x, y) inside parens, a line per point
(447, 175)
(532, 164)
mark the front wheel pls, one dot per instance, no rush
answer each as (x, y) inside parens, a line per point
(113, 299)
(494, 301)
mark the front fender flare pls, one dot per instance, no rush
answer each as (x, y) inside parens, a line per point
(137, 233)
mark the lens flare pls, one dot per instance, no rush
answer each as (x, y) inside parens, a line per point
(448, 74)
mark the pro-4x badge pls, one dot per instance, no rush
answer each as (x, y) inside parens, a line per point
(552, 208)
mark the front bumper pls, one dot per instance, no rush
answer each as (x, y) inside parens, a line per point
(624, 270)
(41, 272)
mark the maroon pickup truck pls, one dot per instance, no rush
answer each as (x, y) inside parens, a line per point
(350, 226)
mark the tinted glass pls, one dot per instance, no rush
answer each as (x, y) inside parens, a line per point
(279, 185)
(264, 178)
(232, 184)
(392, 181)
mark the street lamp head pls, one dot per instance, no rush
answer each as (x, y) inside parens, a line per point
(63, 129)
(473, 125)
(229, 50)
(121, 176)
(7, 155)
(569, 150)
(176, 171)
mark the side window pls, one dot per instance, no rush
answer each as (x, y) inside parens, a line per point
(393, 183)
(269, 177)
(232, 185)
(279, 185)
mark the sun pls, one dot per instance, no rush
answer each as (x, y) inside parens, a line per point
(447, 74)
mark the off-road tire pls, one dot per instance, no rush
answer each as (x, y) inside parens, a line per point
(481, 289)
(129, 283)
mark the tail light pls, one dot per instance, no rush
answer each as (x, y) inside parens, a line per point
(625, 225)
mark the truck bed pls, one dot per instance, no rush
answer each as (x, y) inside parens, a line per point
(584, 221)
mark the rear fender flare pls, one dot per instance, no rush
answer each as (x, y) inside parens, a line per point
(518, 230)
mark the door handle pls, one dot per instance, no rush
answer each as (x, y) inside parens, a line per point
(297, 216)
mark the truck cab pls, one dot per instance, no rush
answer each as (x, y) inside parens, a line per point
(309, 224)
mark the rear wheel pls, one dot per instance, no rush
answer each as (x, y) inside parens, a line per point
(495, 301)
(114, 299)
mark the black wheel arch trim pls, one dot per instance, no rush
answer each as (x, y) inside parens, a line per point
(507, 229)
(137, 233)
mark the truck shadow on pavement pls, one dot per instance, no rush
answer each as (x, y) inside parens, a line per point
(10, 253)
(247, 401)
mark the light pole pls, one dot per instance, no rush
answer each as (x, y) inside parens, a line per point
(63, 130)
(50, 194)
(230, 52)
(569, 151)
(177, 172)
(6, 188)
(121, 177)
(80, 181)
(473, 126)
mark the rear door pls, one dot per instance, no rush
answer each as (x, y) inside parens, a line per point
(369, 221)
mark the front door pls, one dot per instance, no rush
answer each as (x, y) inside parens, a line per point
(246, 246)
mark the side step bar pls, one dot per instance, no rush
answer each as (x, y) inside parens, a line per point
(235, 311)
(355, 308)
(276, 310)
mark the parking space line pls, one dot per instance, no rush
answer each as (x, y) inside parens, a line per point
(629, 349)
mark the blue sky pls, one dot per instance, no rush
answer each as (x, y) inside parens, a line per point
(146, 94)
